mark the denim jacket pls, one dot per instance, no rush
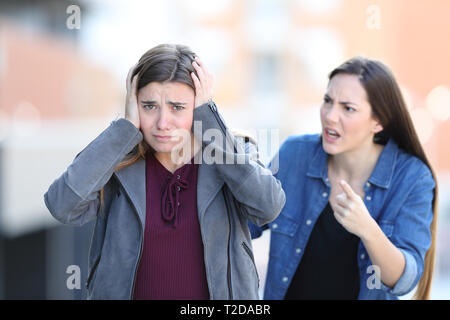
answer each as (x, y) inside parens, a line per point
(398, 195)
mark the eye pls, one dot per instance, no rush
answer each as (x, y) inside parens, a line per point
(148, 107)
(178, 108)
(349, 109)
(326, 99)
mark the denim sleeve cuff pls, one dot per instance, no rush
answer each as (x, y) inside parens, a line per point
(406, 282)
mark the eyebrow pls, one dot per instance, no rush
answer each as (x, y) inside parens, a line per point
(175, 103)
(341, 102)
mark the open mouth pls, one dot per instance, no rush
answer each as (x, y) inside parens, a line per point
(331, 134)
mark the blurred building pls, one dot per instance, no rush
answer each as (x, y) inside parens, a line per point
(48, 92)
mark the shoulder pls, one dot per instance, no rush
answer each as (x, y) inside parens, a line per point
(296, 152)
(411, 173)
(410, 165)
(301, 143)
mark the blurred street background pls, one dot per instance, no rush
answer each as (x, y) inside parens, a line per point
(63, 66)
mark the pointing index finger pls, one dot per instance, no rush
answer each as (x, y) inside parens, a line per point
(347, 189)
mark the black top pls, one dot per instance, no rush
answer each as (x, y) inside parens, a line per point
(329, 267)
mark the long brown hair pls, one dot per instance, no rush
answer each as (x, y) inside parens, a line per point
(389, 108)
(163, 63)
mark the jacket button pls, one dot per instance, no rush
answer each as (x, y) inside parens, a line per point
(324, 194)
(298, 250)
(368, 184)
(308, 222)
(285, 279)
(274, 226)
(363, 256)
(369, 198)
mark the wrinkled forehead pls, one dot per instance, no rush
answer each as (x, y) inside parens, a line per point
(172, 90)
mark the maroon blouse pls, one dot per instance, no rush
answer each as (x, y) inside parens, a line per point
(172, 264)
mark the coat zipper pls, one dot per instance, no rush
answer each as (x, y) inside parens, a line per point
(213, 108)
(139, 259)
(94, 267)
(230, 287)
(97, 261)
(250, 254)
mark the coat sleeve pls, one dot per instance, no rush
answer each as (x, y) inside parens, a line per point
(258, 192)
(74, 197)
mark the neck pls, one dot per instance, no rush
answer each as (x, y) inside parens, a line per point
(355, 165)
(178, 157)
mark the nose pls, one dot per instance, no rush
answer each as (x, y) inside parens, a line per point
(163, 122)
(332, 114)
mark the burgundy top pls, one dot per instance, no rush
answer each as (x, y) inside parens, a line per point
(172, 264)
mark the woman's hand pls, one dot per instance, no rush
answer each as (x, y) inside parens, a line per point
(203, 83)
(351, 212)
(131, 104)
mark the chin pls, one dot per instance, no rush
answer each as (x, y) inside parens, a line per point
(162, 149)
(330, 149)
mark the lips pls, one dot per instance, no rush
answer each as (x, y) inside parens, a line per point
(162, 138)
(331, 134)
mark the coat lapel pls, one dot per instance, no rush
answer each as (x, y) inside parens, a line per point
(132, 178)
(208, 185)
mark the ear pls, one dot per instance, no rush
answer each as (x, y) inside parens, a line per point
(377, 128)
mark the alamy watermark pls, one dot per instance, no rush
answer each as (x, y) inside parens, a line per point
(373, 21)
(374, 280)
(74, 280)
(73, 21)
(224, 148)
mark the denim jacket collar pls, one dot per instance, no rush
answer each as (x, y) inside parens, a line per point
(381, 175)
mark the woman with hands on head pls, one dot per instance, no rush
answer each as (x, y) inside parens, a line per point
(361, 198)
(168, 225)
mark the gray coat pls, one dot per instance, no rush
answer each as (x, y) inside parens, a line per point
(253, 195)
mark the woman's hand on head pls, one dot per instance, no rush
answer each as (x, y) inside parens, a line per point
(203, 82)
(131, 104)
